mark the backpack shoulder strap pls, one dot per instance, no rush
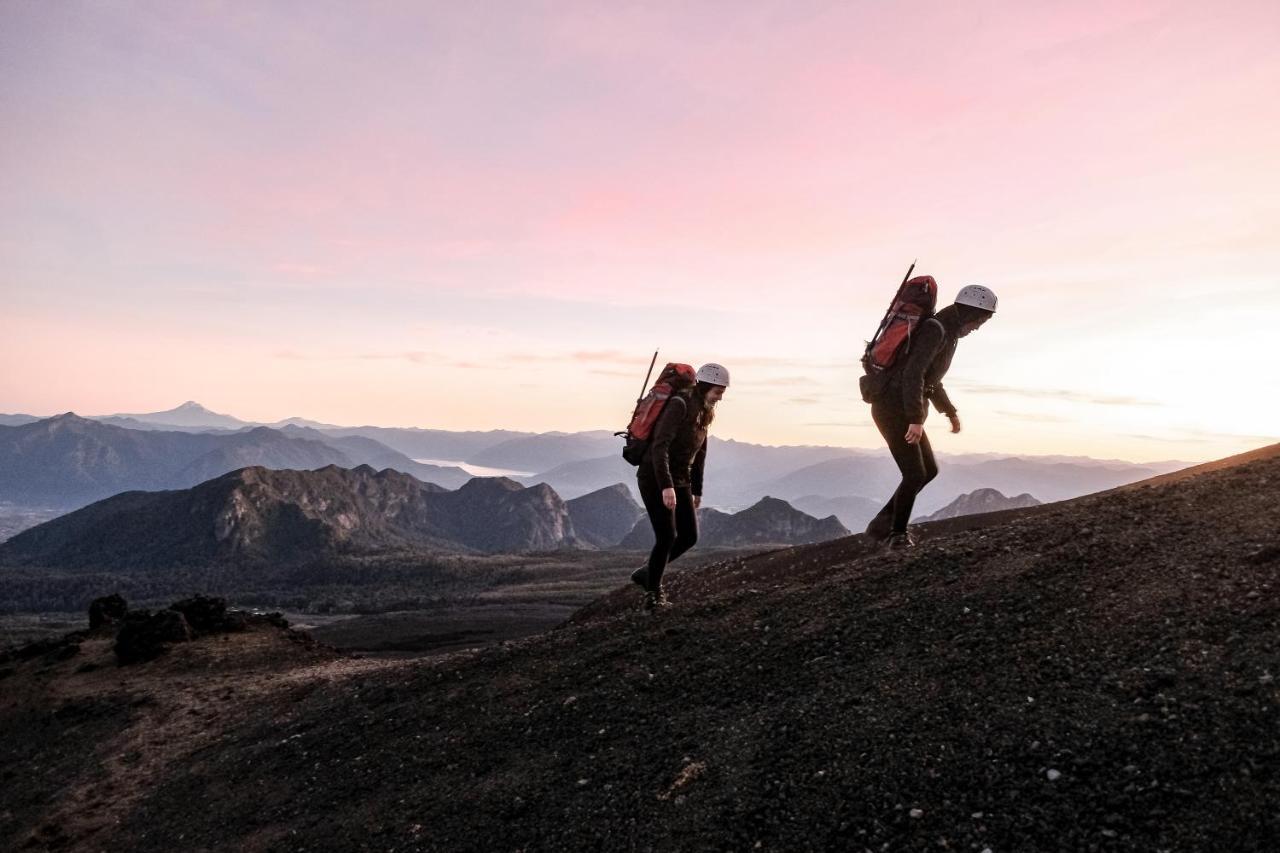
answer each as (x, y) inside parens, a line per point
(666, 403)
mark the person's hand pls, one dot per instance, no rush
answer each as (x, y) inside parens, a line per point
(914, 431)
(669, 498)
(955, 422)
(697, 501)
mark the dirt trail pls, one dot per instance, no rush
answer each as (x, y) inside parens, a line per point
(158, 716)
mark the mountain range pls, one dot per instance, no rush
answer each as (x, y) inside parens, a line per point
(68, 461)
(257, 515)
(64, 462)
(602, 518)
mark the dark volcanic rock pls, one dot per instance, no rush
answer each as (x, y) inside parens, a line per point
(107, 611)
(1094, 675)
(145, 635)
(205, 614)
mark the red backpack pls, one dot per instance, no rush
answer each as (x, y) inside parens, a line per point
(673, 379)
(914, 303)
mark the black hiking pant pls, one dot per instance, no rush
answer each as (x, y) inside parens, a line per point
(675, 531)
(915, 461)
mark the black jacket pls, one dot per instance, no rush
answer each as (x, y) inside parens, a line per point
(919, 376)
(678, 447)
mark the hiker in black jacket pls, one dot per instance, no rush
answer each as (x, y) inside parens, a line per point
(670, 476)
(900, 409)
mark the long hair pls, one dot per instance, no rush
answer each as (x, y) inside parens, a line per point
(706, 411)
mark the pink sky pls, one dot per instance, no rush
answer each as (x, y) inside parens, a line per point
(487, 215)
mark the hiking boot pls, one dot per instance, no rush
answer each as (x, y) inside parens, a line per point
(654, 600)
(880, 528)
(641, 577)
(900, 541)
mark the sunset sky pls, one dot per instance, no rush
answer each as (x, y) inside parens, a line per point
(487, 215)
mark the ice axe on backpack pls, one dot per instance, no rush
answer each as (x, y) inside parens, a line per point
(650, 405)
(888, 314)
(913, 303)
(645, 386)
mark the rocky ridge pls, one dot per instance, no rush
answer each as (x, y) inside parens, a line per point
(981, 501)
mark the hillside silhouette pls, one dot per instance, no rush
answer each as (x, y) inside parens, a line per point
(68, 461)
(768, 522)
(281, 516)
(1093, 674)
(980, 502)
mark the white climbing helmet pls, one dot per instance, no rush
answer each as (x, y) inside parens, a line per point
(714, 374)
(977, 296)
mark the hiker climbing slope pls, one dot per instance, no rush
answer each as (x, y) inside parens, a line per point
(670, 475)
(899, 400)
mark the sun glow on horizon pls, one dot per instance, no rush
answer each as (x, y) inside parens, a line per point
(444, 218)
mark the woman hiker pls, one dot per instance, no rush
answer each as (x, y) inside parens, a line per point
(670, 476)
(899, 411)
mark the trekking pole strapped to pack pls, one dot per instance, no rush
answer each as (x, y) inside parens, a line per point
(674, 378)
(914, 303)
(884, 321)
(647, 374)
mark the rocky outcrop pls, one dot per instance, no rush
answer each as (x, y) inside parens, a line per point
(774, 522)
(209, 615)
(980, 501)
(107, 611)
(146, 635)
(769, 522)
(257, 515)
(603, 517)
(498, 514)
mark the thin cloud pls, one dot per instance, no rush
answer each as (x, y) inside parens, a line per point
(612, 356)
(1167, 439)
(415, 356)
(304, 270)
(837, 424)
(1034, 418)
(1203, 436)
(791, 363)
(632, 359)
(1056, 394)
(1218, 436)
(782, 381)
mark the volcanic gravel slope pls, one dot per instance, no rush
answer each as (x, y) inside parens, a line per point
(1095, 675)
